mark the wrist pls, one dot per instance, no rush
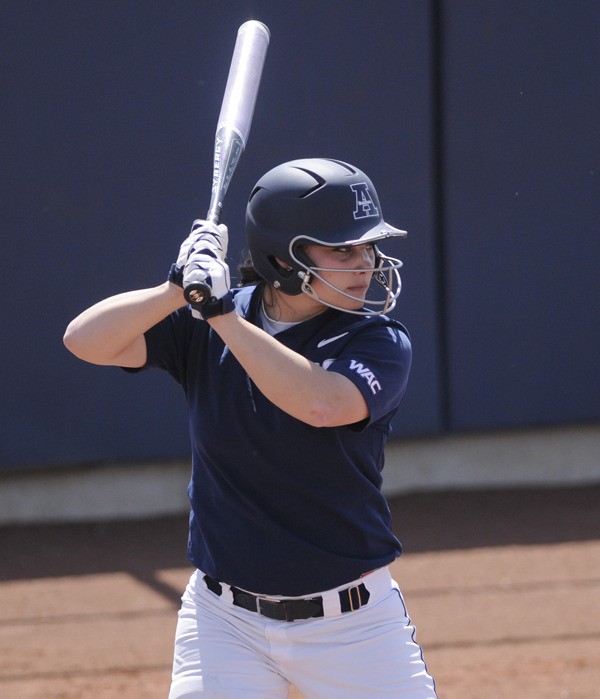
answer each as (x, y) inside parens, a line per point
(175, 275)
(220, 307)
(174, 294)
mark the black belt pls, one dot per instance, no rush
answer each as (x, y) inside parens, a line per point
(351, 599)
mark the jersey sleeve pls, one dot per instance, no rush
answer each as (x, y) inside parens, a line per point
(167, 343)
(377, 360)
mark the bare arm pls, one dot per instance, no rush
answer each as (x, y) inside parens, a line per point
(112, 331)
(298, 386)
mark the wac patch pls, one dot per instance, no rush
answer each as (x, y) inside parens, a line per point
(367, 375)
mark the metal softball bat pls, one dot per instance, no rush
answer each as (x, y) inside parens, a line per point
(233, 125)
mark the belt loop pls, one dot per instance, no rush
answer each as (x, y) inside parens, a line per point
(353, 598)
(213, 585)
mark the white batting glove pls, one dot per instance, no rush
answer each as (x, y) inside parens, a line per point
(204, 267)
(204, 237)
(204, 234)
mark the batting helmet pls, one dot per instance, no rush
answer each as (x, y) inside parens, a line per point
(321, 201)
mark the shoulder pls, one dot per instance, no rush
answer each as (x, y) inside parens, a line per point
(384, 325)
(377, 342)
(368, 328)
(383, 339)
(375, 354)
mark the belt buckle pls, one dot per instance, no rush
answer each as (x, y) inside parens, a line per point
(354, 591)
(353, 598)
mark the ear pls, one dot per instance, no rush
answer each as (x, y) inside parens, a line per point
(283, 264)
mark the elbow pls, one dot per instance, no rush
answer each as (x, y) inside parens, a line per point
(316, 420)
(74, 342)
(321, 414)
(70, 340)
(335, 410)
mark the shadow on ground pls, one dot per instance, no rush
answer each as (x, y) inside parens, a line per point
(422, 521)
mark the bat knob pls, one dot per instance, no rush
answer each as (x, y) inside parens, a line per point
(197, 293)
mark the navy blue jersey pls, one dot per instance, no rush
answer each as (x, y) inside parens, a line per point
(277, 506)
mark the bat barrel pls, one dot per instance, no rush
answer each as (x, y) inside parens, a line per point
(237, 108)
(243, 81)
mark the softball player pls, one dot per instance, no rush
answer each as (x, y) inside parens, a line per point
(291, 381)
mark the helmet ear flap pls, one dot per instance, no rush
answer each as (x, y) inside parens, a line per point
(282, 275)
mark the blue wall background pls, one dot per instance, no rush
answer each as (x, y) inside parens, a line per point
(478, 122)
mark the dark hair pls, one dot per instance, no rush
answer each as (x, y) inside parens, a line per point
(247, 273)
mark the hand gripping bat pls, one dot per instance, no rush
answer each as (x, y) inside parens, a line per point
(234, 123)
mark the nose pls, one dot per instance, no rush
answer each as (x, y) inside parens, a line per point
(364, 258)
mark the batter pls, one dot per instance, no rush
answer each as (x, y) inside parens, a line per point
(291, 381)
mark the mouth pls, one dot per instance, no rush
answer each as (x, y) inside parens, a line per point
(358, 290)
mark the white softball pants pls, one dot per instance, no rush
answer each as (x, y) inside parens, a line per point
(225, 652)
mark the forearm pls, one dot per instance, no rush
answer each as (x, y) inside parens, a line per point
(298, 386)
(112, 331)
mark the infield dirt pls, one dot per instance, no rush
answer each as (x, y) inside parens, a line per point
(503, 586)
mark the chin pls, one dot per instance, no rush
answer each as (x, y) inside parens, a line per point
(349, 305)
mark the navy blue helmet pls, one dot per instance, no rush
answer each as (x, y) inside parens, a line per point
(317, 201)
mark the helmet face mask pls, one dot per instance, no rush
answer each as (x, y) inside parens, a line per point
(384, 288)
(322, 202)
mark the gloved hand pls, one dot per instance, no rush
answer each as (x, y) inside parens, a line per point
(204, 237)
(207, 235)
(206, 267)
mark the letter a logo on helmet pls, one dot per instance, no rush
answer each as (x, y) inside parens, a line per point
(365, 206)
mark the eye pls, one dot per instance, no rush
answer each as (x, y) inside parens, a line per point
(346, 252)
(361, 249)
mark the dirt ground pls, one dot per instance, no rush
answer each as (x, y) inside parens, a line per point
(503, 586)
